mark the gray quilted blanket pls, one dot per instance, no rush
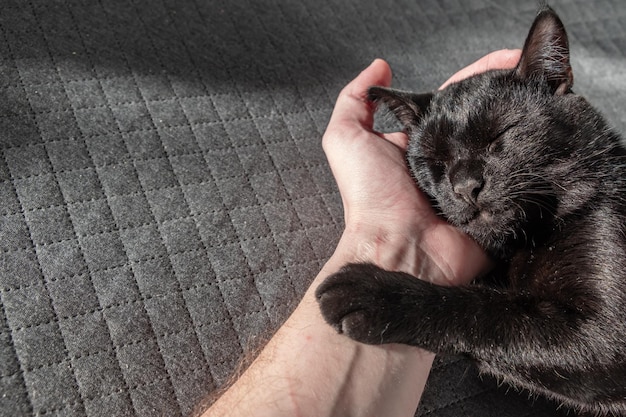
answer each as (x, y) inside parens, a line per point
(164, 199)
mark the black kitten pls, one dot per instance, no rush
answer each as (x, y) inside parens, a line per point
(534, 174)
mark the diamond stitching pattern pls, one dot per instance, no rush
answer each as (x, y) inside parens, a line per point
(164, 198)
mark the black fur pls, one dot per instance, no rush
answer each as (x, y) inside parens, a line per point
(534, 174)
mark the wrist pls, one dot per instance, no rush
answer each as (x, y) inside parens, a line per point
(392, 248)
(431, 250)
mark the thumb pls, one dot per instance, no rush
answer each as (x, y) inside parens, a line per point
(352, 106)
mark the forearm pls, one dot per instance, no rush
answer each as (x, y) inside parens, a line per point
(307, 369)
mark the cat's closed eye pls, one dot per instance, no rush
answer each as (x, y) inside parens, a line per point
(496, 143)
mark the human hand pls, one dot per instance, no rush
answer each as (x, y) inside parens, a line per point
(387, 217)
(388, 222)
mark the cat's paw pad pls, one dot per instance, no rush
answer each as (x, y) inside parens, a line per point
(357, 302)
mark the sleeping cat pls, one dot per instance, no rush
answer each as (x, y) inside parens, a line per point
(533, 174)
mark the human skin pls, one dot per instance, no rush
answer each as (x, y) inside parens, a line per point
(307, 368)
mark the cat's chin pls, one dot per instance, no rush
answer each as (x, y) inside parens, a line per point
(487, 228)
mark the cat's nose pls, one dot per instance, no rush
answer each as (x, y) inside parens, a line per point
(468, 189)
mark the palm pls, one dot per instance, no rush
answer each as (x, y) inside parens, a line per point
(374, 182)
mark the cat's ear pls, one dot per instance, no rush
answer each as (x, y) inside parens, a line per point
(407, 107)
(546, 52)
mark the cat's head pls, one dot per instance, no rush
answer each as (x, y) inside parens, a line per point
(489, 149)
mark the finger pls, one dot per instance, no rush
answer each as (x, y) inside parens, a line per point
(503, 59)
(352, 106)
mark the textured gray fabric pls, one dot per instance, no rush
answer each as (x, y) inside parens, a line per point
(164, 199)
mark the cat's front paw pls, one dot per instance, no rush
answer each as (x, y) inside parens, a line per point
(362, 302)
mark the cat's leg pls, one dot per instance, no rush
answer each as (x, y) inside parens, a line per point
(531, 341)
(375, 306)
